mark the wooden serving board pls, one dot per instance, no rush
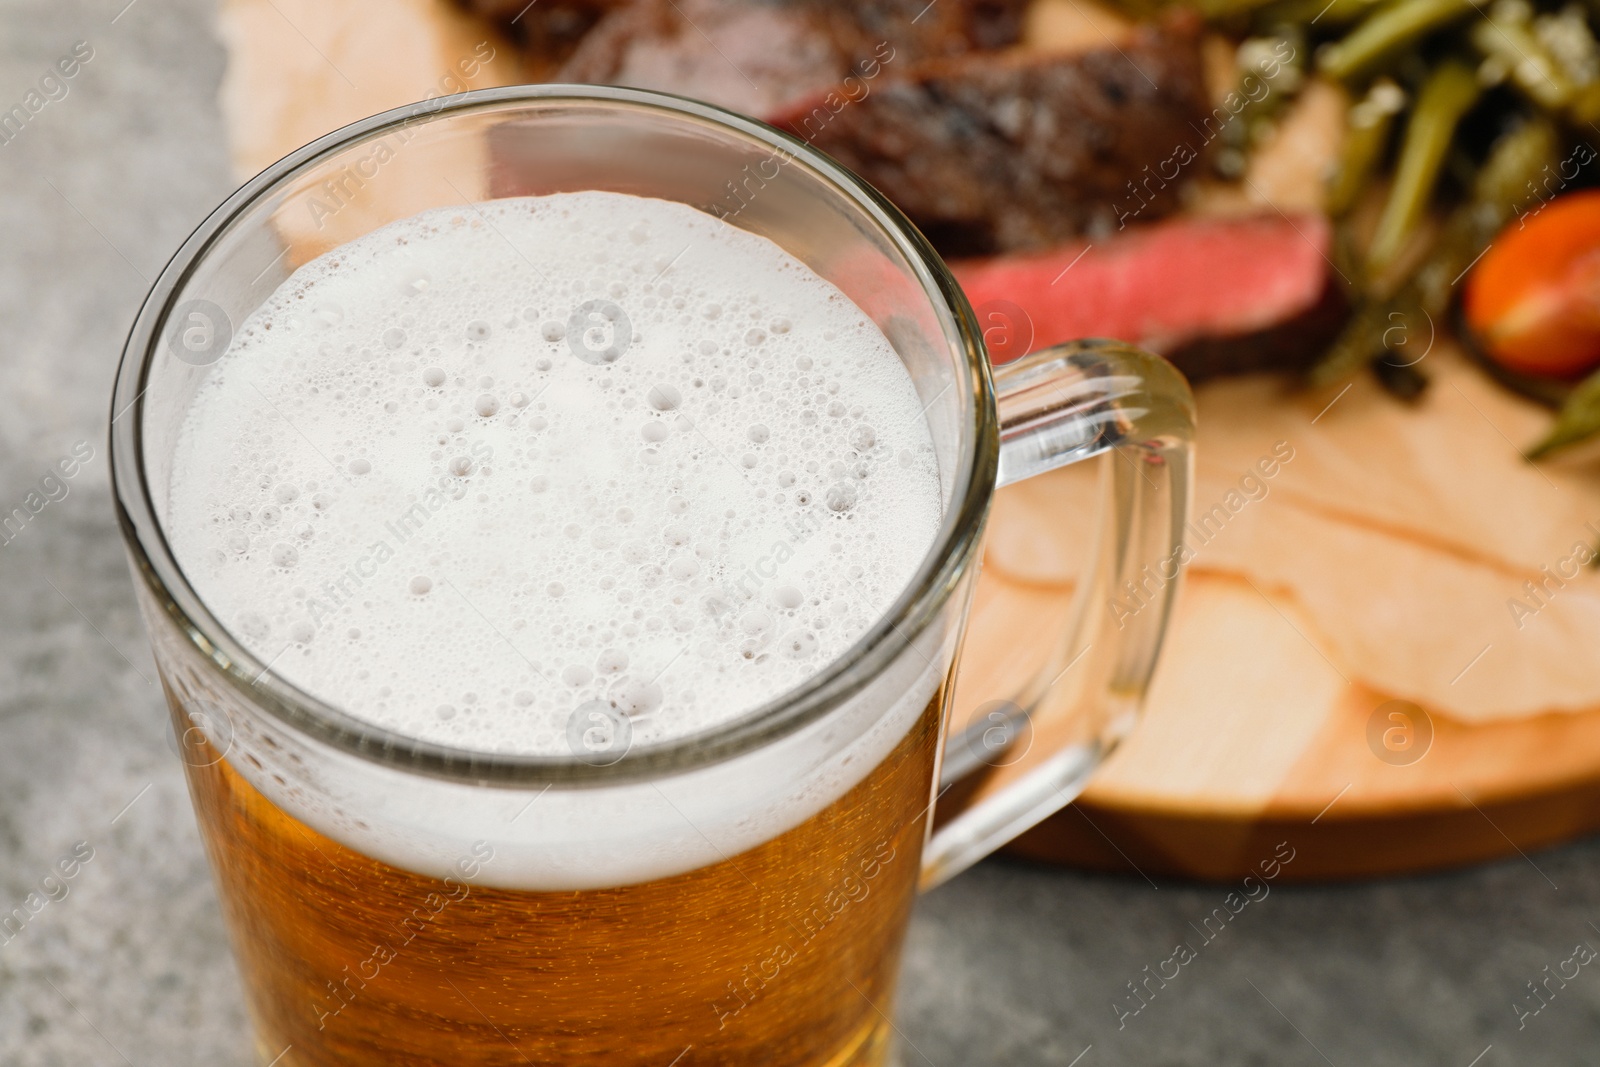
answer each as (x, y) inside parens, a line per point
(1253, 736)
(1275, 746)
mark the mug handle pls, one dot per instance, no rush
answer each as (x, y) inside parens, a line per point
(1059, 405)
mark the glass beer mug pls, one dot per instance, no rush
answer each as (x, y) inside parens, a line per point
(737, 895)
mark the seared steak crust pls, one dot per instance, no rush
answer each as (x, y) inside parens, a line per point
(1012, 151)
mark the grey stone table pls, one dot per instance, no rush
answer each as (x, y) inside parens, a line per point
(1007, 965)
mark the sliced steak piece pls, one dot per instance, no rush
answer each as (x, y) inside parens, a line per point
(1216, 296)
(995, 152)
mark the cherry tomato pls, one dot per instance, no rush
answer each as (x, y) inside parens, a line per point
(1533, 300)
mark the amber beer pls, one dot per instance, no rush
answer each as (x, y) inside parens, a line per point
(783, 955)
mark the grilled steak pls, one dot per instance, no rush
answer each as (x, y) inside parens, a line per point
(988, 151)
(1216, 296)
(993, 152)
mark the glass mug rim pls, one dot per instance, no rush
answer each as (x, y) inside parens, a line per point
(935, 581)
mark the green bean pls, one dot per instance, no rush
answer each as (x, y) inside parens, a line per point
(1366, 135)
(1448, 94)
(1578, 419)
(1531, 68)
(1514, 161)
(1386, 32)
(1357, 345)
(1401, 380)
(1501, 186)
(1584, 107)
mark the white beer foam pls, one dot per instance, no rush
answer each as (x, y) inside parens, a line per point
(417, 488)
